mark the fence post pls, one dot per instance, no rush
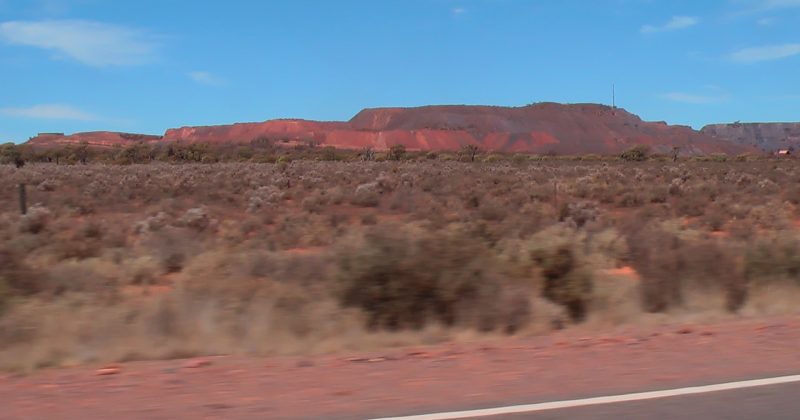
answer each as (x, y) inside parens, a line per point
(23, 203)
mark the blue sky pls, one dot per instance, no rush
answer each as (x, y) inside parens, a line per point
(147, 65)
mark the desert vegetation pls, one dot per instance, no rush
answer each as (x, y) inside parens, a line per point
(119, 262)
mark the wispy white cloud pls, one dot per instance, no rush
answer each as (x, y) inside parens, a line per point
(206, 78)
(765, 21)
(92, 43)
(697, 99)
(49, 112)
(458, 11)
(674, 24)
(765, 53)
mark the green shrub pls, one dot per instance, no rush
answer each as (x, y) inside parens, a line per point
(263, 157)
(636, 153)
(9, 153)
(719, 157)
(329, 153)
(519, 158)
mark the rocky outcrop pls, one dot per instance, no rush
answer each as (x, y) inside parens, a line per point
(765, 136)
(546, 128)
(539, 128)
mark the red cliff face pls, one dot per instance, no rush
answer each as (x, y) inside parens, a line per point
(767, 136)
(541, 128)
(246, 132)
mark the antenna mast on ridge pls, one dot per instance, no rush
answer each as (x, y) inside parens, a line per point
(614, 96)
(613, 99)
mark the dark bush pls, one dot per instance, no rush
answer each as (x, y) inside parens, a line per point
(656, 255)
(15, 277)
(630, 199)
(774, 259)
(397, 152)
(404, 279)
(670, 266)
(468, 152)
(329, 153)
(636, 153)
(714, 266)
(565, 282)
(492, 211)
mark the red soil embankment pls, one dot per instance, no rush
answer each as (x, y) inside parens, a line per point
(413, 380)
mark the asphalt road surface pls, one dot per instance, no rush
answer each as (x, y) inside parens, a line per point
(740, 401)
(778, 402)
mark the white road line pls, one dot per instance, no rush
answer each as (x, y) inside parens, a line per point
(554, 405)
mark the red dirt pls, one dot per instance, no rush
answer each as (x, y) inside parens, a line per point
(413, 380)
(627, 272)
(541, 128)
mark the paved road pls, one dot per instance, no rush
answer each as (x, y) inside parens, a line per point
(778, 402)
(739, 400)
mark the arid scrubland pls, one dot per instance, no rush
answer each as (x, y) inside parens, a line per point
(160, 260)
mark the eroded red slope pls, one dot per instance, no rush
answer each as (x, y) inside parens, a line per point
(540, 128)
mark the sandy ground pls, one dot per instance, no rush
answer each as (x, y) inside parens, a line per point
(412, 380)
